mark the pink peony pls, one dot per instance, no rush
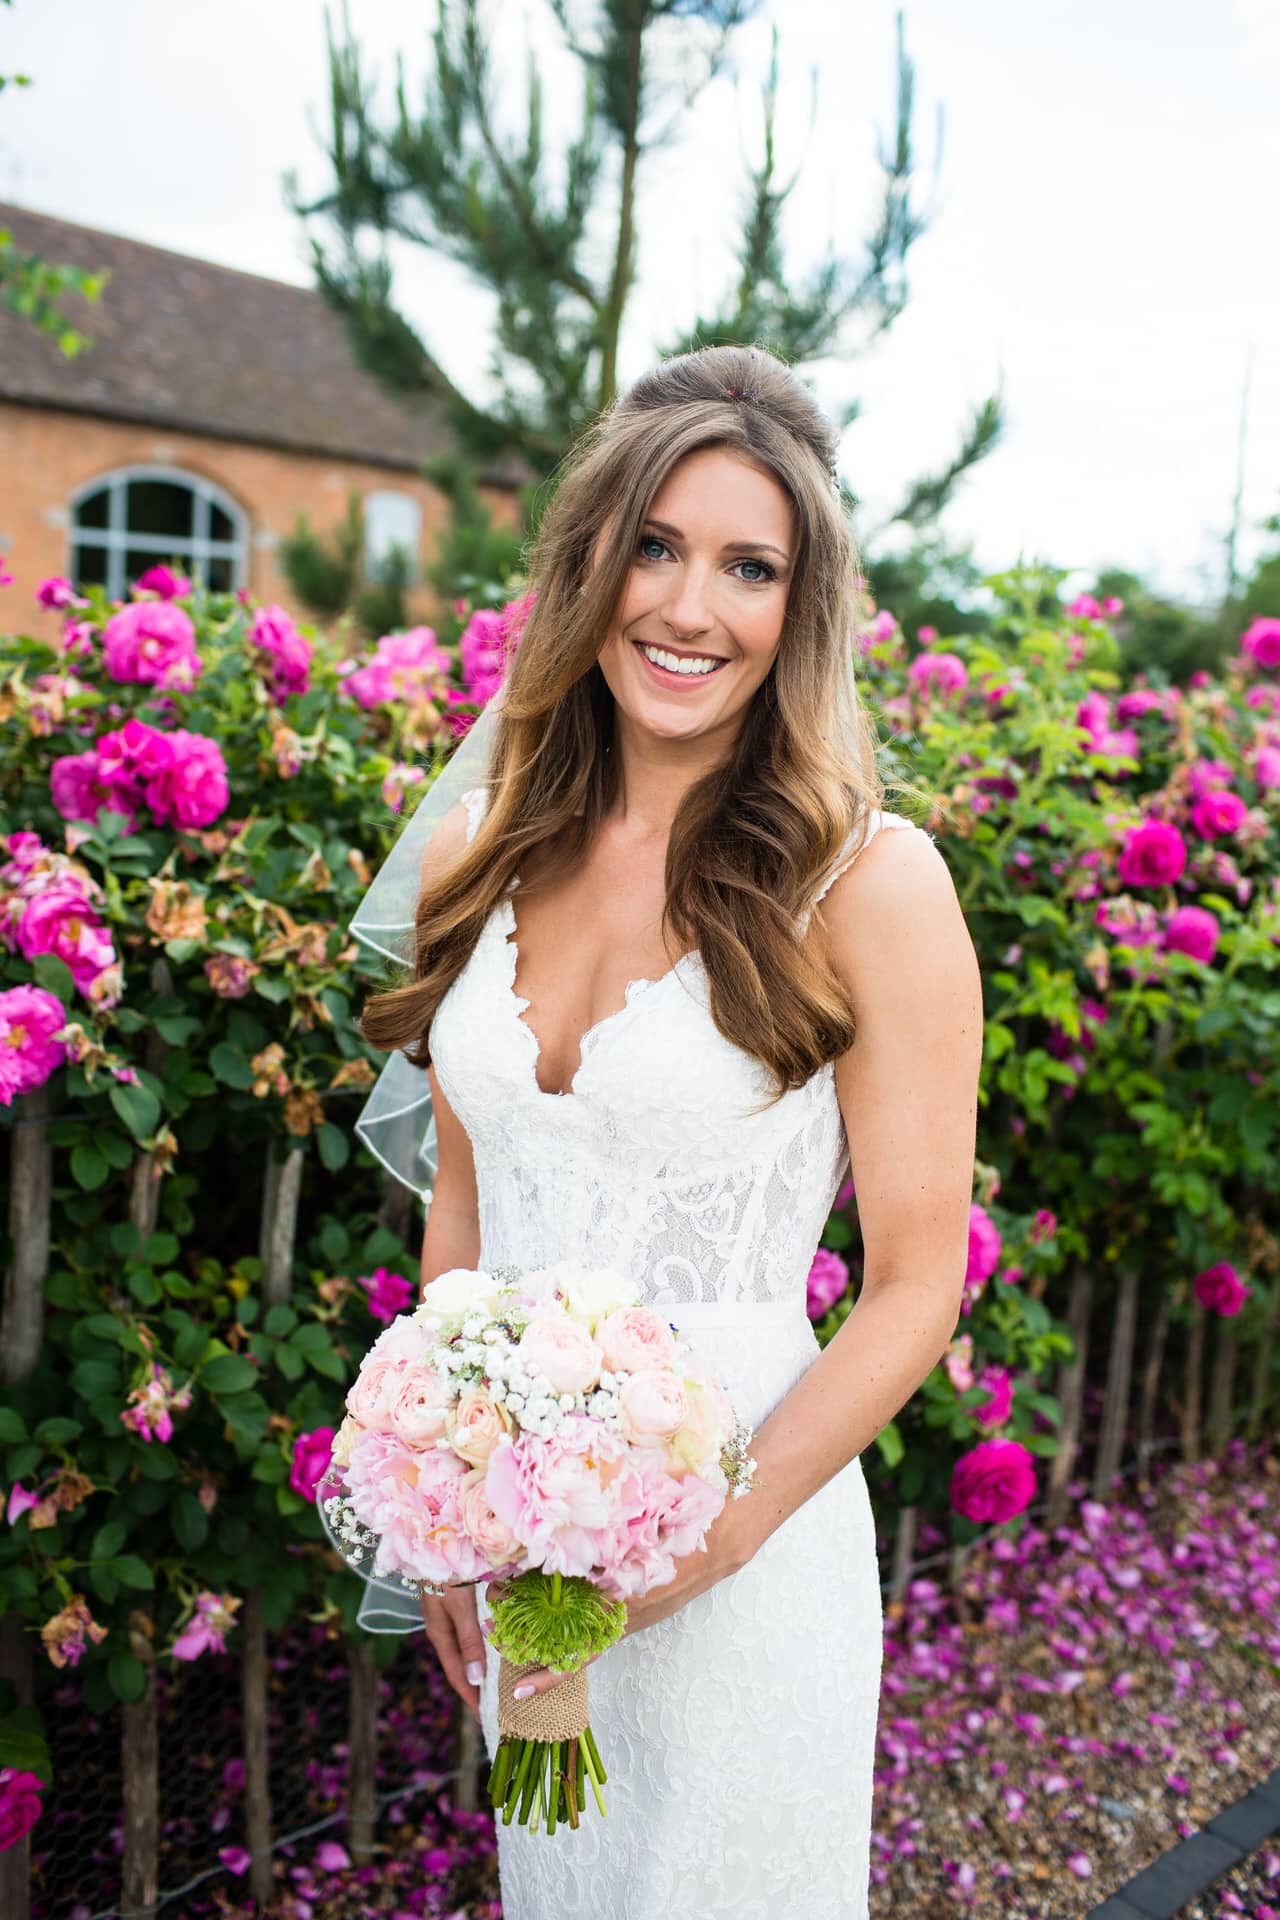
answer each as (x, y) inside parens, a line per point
(1192, 930)
(1261, 641)
(152, 641)
(563, 1351)
(389, 1293)
(30, 1052)
(939, 672)
(163, 581)
(828, 1279)
(20, 1805)
(411, 1500)
(1221, 1290)
(553, 1493)
(1217, 813)
(284, 651)
(633, 1338)
(1154, 855)
(190, 789)
(993, 1483)
(312, 1453)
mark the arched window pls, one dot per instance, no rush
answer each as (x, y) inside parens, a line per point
(138, 517)
(391, 520)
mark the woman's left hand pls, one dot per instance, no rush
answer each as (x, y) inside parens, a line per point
(726, 1552)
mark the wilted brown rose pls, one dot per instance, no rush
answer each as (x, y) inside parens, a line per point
(303, 1111)
(175, 912)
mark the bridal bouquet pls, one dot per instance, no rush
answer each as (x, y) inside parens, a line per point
(547, 1430)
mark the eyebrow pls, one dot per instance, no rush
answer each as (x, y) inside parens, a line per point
(730, 546)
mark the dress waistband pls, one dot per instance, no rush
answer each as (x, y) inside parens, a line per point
(734, 1313)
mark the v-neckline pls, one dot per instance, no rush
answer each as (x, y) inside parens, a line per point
(505, 921)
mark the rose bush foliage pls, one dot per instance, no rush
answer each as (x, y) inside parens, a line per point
(197, 793)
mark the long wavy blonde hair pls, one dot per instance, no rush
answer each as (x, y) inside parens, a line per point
(754, 838)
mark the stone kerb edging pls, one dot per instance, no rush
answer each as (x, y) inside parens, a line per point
(1161, 1890)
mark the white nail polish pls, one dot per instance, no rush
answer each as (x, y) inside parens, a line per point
(523, 1692)
(475, 1672)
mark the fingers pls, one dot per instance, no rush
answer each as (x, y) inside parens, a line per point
(542, 1679)
(455, 1638)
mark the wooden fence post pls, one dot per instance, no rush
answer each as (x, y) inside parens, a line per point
(144, 1194)
(1191, 1386)
(15, 1862)
(1115, 1404)
(1070, 1396)
(30, 1183)
(140, 1744)
(362, 1748)
(1260, 1391)
(255, 1753)
(904, 1546)
(1222, 1384)
(280, 1221)
(1150, 1389)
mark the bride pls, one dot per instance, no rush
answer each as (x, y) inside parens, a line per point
(649, 1047)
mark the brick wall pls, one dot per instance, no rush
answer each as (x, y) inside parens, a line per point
(47, 456)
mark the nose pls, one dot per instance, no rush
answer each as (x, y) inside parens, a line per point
(687, 612)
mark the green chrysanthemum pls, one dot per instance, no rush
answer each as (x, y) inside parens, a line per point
(557, 1621)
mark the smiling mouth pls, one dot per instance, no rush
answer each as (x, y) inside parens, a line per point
(687, 666)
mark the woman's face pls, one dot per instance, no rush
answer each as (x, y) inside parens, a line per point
(699, 620)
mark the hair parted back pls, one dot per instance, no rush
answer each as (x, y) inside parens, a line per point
(752, 840)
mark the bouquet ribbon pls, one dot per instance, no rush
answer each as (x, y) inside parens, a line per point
(559, 1713)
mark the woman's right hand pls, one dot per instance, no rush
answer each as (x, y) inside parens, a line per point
(453, 1628)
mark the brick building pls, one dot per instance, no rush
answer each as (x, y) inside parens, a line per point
(213, 408)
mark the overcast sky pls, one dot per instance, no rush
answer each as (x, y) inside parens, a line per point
(1103, 229)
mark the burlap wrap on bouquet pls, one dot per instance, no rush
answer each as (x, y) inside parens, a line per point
(558, 1714)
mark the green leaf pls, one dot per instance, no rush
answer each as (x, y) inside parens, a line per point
(144, 1287)
(190, 1522)
(12, 1426)
(89, 1166)
(230, 1065)
(155, 1462)
(335, 1242)
(228, 1373)
(279, 1321)
(310, 1336)
(104, 1584)
(128, 1677)
(108, 1540)
(889, 1441)
(22, 1743)
(130, 1571)
(57, 1430)
(333, 1146)
(161, 1249)
(291, 1363)
(94, 1377)
(136, 1106)
(328, 1363)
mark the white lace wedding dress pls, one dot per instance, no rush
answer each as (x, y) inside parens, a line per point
(738, 1733)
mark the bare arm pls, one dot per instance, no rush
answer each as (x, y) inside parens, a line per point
(908, 1091)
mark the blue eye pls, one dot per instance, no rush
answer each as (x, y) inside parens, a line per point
(767, 573)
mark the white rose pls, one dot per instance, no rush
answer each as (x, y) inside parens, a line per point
(590, 1294)
(457, 1294)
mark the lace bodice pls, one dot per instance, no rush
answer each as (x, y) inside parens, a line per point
(666, 1160)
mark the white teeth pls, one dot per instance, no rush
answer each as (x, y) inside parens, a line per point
(679, 663)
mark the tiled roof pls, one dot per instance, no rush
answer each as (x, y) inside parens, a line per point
(183, 343)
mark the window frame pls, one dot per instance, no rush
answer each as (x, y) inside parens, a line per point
(193, 550)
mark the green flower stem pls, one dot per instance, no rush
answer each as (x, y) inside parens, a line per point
(555, 1589)
(530, 1773)
(592, 1775)
(500, 1777)
(590, 1739)
(553, 1784)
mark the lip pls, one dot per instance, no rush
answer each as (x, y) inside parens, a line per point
(682, 681)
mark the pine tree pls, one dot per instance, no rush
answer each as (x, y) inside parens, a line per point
(443, 175)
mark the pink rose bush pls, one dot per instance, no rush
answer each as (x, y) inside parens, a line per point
(49, 904)
(1220, 1289)
(154, 642)
(20, 1804)
(179, 777)
(206, 1631)
(280, 652)
(828, 1279)
(537, 1429)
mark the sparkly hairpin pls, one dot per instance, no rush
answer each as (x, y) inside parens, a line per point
(739, 393)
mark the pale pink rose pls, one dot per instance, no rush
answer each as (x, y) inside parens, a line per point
(697, 1443)
(652, 1404)
(419, 1402)
(562, 1351)
(633, 1339)
(410, 1500)
(481, 1523)
(478, 1426)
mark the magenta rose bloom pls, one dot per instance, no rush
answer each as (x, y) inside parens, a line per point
(190, 789)
(58, 594)
(938, 672)
(389, 1293)
(164, 582)
(828, 1278)
(1220, 1289)
(312, 1453)
(285, 651)
(61, 920)
(993, 1483)
(154, 642)
(994, 1411)
(20, 1805)
(1192, 930)
(1217, 813)
(984, 1244)
(1153, 855)
(1261, 641)
(30, 1017)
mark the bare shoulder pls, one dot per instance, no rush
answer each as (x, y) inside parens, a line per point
(894, 923)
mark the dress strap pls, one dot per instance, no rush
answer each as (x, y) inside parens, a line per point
(476, 802)
(877, 819)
